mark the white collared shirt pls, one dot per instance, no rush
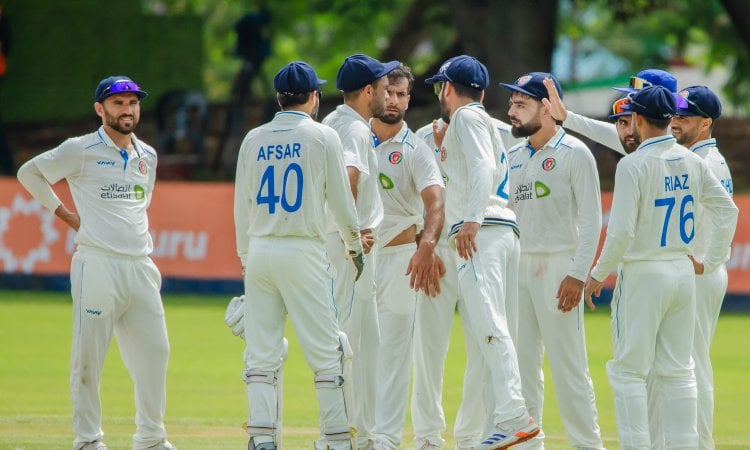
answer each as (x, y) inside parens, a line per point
(356, 139)
(111, 189)
(288, 170)
(653, 208)
(555, 194)
(406, 169)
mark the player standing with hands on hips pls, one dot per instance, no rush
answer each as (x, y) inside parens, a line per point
(485, 235)
(651, 228)
(288, 170)
(114, 284)
(554, 191)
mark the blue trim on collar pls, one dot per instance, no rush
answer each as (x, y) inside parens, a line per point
(708, 143)
(657, 141)
(293, 113)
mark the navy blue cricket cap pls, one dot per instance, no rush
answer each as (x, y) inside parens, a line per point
(532, 84)
(650, 77)
(698, 101)
(464, 70)
(297, 77)
(117, 84)
(656, 102)
(359, 70)
(620, 108)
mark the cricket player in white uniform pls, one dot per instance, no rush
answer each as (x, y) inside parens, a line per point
(114, 284)
(698, 108)
(554, 191)
(363, 81)
(288, 170)
(485, 234)
(651, 229)
(605, 133)
(411, 187)
(433, 324)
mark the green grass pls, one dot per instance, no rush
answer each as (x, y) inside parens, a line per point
(206, 395)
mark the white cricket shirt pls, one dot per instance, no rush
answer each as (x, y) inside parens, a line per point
(406, 168)
(425, 133)
(555, 194)
(475, 170)
(708, 150)
(288, 170)
(599, 131)
(653, 208)
(356, 140)
(111, 189)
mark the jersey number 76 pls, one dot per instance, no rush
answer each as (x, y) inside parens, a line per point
(685, 217)
(268, 183)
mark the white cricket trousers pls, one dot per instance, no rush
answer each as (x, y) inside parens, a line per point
(290, 275)
(544, 328)
(358, 318)
(397, 304)
(652, 326)
(117, 295)
(710, 290)
(432, 331)
(483, 282)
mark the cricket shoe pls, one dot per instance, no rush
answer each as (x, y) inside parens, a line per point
(163, 445)
(508, 434)
(251, 445)
(95, 445)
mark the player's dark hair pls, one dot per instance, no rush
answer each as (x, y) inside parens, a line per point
(402, 71)
(287, 100)
(661, 124)
(465, 91)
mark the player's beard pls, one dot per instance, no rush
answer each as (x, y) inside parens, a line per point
(378, 106)
(445, 112)
(114, 122)
(686, 136)
(636, 136)
(392, 119)
(526, 129)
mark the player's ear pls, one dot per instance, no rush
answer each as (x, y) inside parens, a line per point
(99, 109)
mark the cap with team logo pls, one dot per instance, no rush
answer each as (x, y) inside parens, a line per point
(656, 102)
(297, 77)
(532, 85)
(650, 77)
(117, 84)
(464, 70)
(360, 70)
(698, 101)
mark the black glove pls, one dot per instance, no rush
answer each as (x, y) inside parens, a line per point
(359, 262)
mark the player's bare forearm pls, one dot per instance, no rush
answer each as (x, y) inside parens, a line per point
(433, 198)
(72, 219)
(569, 293)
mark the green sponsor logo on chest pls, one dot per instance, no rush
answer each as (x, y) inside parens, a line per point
(385, 182)
(140, 193)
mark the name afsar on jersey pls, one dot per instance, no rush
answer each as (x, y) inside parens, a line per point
(279, 151)
(676, 182)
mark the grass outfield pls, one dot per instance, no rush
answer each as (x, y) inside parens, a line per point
(206, 395)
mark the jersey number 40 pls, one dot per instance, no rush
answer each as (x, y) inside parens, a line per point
(267, 190)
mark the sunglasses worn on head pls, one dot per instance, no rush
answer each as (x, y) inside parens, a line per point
(686, 104)
(121, 86)
(438, 87)
(639, 83)
(619, 106)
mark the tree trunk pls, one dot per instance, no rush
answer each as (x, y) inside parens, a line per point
(739, 14)
(510, 37)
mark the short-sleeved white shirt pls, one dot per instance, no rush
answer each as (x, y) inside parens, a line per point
(356, 140)
(287, 171)
(406, 167)
(111, 189)
(556, 196)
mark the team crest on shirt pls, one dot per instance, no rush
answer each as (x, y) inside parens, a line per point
(549, 164)
(523, 80)
(443, 153)
(395, 157)
(142, 167)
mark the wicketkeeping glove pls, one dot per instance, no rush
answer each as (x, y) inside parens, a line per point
(359, 262)
(235, 316)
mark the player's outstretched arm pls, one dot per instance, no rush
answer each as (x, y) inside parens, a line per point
(424, 273)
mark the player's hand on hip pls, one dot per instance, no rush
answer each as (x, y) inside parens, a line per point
(592, 287)
(466, 243)
(367, 239)
(569, 293)
(554, 103)
(72, 219)
(697, 265)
